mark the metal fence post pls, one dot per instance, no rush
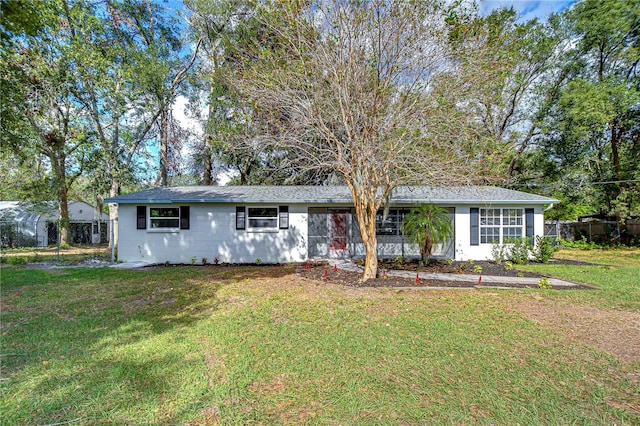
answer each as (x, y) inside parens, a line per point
(112, 243)
(58, 240)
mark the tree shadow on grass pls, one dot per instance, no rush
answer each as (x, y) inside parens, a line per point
(114, 346)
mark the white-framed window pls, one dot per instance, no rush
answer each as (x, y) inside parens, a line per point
(162, 218)
(512, 224)
(500, 225)
(489, 226)
(262, 218)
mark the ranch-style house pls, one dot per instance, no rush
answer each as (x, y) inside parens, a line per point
(280, 224)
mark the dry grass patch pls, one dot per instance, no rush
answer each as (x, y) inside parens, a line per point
(616, 332)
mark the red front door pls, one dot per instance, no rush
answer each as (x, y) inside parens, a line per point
(338, 221)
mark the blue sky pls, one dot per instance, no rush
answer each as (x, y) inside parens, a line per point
(527, 9)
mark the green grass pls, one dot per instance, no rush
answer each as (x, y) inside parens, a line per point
(616, 272)
(207, 345)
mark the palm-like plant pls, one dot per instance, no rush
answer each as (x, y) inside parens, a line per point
(427, 225)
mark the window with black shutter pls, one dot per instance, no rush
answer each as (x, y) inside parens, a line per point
(475, 226)
(240, 218)
(142, 217)
(184, 217)
(284, 217)
(529, 224)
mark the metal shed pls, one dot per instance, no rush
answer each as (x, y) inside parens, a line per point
(35, 224)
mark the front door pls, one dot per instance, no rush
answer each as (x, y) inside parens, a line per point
(338, 226)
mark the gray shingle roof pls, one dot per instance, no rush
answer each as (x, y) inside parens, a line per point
(326, 195)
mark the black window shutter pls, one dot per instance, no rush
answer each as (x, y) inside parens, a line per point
(474, 213)
(142, 217)
(240, 218)
(284, 217)
(529, 224)
(184, 217)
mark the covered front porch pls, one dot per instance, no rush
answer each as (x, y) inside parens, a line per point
(334, 234)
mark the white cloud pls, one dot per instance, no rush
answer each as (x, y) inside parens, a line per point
(195, 128)
(186, 122)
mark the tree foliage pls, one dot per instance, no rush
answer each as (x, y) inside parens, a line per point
(512, 65)
(427, 225)
(91, 88)
(43, 106)
(593, 127)
(369, 90)
(367, 93)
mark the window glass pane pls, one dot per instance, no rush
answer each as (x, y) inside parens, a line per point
(512, 217)
(263, 223)
(164, 217)
(263, 212)
(489, 232)
(263, 217)
(165, 223)
(391, 225)
(489, 217)
(164, 212)
(489, 235)
(512, 232)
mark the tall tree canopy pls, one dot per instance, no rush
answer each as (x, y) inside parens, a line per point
(370, 90)
(43, 108)
(593, 133)
(368, 93)
(88, 89)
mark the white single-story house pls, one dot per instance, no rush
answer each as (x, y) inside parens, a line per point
(36, 223)
(279, 224)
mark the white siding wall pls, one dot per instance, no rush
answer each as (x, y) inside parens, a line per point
(463, 248)
(212, 234)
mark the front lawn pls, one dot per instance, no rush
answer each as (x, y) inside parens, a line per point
(239, 345)
(615, 271)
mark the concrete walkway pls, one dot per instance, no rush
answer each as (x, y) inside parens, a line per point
(486, 279)
(130, 265)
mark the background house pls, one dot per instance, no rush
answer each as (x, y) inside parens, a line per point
(278, 224)
(36, 224)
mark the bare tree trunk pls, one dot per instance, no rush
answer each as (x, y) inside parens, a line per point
(58, 162)
(208, 167)
(98, 214)
(366, 214)
(164, 146)
(64, 215)
(114, 191)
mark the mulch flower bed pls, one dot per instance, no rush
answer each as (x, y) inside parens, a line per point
(457, 267)
(327, 274)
